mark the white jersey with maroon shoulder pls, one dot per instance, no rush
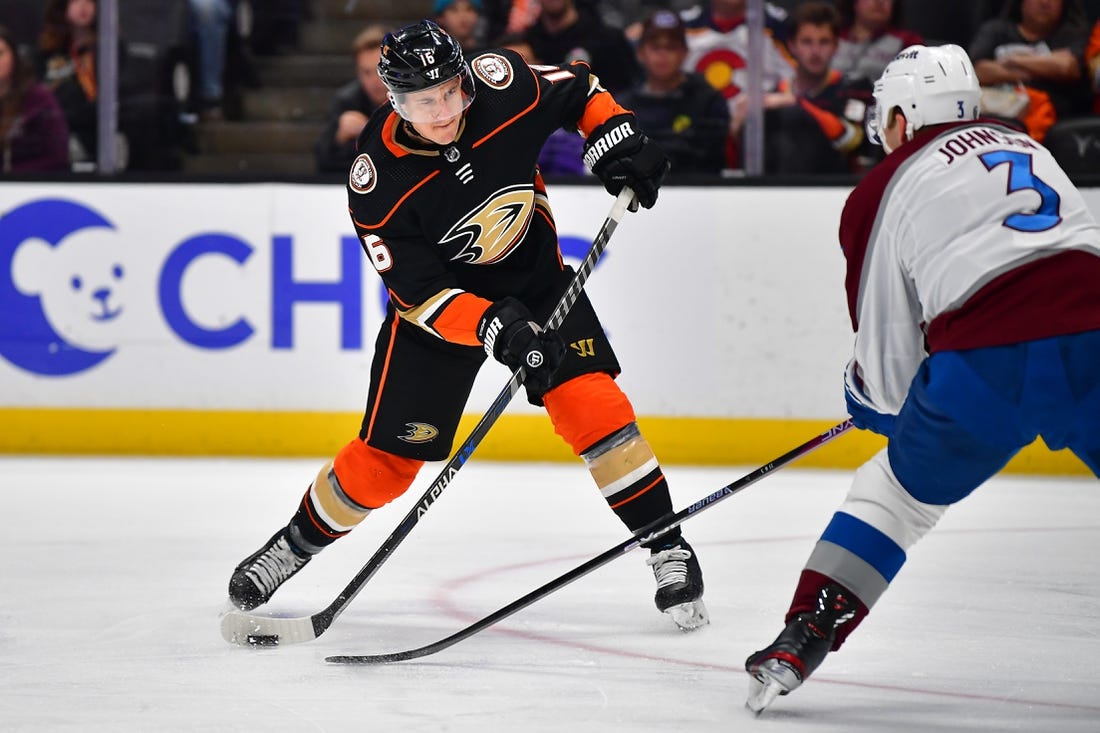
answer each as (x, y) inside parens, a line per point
(971, 235)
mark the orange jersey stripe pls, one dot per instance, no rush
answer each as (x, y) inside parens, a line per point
(396, 206)
(521, 113)
(388, 129)
(600, 108)
(400, 303)
(457, 323)
(382, 380)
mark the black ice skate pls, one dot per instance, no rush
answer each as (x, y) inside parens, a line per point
(798, 650)
(679, 584)
(259, 575)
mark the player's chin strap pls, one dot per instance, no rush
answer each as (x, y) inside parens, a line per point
(246, 629)
(654, 530)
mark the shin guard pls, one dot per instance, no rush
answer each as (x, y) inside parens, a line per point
(630, 479)
(594, 416)
(346, 490)
(866, 542)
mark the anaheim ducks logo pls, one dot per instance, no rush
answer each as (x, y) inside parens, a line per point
(493, 229)
(419, 432)
(362, 175)
(493, 69)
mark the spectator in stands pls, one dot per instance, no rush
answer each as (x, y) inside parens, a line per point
(718, 48)
(1092, 58)
(508, 17)
(353, 105)
(1029, 61)
(148, 135)
(677, 108)
(210, 20)
(815, 124)
(68, 67)
(517, 42)
(514, 17)
(563, 152)
(462, 19)
(631, 14)
(33, 134)
(718, 45)
(872, 33)
(565, 33)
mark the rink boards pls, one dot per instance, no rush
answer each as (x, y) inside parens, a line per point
(239, 319)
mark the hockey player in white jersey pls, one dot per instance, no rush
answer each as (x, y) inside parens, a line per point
(973, 284)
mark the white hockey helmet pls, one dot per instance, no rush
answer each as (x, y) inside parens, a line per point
(930, 85)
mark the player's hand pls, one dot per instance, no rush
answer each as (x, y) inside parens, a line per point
(621, 155)
(513, 339)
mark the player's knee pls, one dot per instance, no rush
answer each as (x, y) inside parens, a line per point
(587, 409)
(878, 498)
(371, 477)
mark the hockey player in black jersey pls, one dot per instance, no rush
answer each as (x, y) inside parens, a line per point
(450, 208)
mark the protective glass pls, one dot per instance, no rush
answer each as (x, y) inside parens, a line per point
(875, 119)
(443, 101)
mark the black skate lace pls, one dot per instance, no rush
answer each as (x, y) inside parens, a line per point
(669, 566)
(273, 567)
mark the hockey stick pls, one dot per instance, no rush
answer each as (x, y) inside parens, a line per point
(654, 530)
(246, 629)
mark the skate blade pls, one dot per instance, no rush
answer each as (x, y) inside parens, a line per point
(769, 681)
(762, 694)
(689, 616)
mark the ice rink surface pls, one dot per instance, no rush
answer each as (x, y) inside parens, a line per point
(113, 574)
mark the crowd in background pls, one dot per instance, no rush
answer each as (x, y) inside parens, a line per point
(175, 63)
(682, 67)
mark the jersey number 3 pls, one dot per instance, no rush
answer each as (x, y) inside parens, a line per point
(1021, 177)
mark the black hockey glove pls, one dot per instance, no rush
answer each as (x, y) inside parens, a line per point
(621, 155)
(513, 339)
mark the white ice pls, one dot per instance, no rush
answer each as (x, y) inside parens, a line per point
(113, 573)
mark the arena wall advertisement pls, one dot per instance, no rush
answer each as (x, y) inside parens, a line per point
(239, 319)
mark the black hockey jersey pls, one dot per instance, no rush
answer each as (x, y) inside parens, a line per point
(451, 228)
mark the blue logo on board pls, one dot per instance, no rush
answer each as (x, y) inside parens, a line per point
(60, 280)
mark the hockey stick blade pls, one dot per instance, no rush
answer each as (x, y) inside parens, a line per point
(248, 629)
(245, 629)
(653, 531)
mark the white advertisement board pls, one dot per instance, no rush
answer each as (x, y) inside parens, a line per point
(241, 319)
(720, 302)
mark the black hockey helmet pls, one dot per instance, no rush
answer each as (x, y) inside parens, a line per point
(421, 56)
